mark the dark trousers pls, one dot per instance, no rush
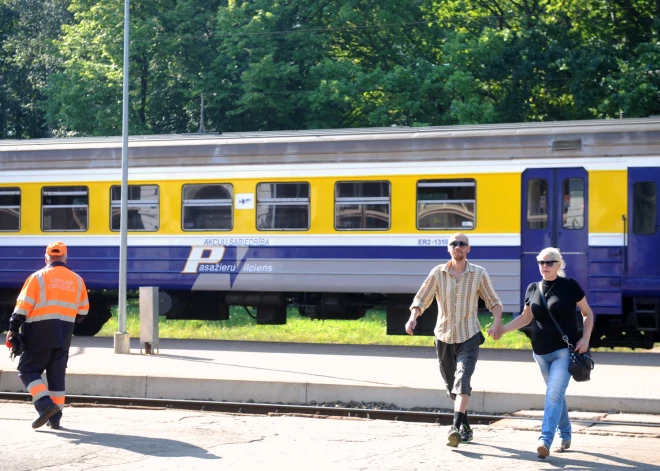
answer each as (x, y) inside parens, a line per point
(457, 364)
(30, 368)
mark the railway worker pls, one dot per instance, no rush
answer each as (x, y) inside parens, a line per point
(51, 301)
(549, 350)
(457, 286)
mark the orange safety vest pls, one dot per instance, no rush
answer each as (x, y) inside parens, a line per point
(55, 294)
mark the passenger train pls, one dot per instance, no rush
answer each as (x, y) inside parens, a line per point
(338, 221)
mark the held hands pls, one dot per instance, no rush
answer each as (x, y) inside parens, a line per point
(582, 345)
(496, 330)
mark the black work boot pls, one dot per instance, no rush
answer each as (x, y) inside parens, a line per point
(54, 421)
(45, 414)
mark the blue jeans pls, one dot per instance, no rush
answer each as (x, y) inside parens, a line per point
(554, 368)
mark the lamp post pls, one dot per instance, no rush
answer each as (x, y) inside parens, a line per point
(122, 338)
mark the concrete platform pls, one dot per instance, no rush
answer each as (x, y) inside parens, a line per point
(505, 380)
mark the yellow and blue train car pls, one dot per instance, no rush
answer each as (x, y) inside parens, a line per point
(338, 221)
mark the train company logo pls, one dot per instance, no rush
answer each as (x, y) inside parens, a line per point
(244, 201)
(222, 260)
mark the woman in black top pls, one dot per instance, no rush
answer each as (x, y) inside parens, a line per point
(550, 352)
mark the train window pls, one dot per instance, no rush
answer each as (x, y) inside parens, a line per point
(446, 204)
(573, 203)
(537, 204)
(645, 200)
(143, 208)
(10, 209)
(64, 208)
(283, 206)
(362, 206)
(207, 207)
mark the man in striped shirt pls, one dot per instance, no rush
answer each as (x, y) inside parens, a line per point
(457, 287)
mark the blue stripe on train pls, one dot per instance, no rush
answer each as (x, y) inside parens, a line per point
(162, 265)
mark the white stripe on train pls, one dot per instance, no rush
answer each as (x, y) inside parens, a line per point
(385, 170)
(297, 239)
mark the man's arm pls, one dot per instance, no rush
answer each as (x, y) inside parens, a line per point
(488, 294)
(25, 302)
(83, 302)
(422, 300)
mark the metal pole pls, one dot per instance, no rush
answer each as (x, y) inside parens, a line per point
(122, 339)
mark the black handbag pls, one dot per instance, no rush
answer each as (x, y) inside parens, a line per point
(581, 363)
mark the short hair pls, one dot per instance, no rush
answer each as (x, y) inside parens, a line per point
(555, 255)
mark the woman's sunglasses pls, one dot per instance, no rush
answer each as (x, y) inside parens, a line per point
(547, 263)
(458, 243)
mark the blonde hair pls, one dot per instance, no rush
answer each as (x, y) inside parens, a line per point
(555, 255)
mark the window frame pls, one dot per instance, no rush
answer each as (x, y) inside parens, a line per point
(547, 214)
(446, 183)
(284, 202)
(72, 206)
(566, 181)
(135, 203)
(208, 203)
(654, 212)
(13, 190)
(363, 200)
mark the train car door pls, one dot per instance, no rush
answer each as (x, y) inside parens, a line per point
(554, 214)
(644, 223)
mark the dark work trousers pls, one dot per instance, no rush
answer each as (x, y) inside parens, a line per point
(30, 368)
(457, 363)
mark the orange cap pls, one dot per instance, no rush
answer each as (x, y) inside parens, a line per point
(56, 249)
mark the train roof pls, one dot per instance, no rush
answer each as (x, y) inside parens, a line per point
(556, 139)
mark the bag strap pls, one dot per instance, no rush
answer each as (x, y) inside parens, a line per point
(564, 337)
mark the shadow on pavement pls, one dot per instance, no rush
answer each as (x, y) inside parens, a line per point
(212, 361)
(138, 444)
(561, 460)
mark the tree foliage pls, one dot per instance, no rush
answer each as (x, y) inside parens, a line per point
(304, 64)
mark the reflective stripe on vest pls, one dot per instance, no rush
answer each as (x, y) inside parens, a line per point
(59, 298)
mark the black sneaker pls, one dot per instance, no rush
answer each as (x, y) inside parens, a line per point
(54, 425)
(454, 437)
(466, 433)
(45, 414)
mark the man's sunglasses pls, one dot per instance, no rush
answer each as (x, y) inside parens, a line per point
(458, 243)
(547, 263)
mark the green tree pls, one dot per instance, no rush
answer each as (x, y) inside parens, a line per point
(170, 41)
(27, 58)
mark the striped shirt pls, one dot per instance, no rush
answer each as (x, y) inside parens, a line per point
(458, 300)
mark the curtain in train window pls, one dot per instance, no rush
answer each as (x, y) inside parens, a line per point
(143, 208)
(573, 203)
(446, 204)
(645, 200)
(362, 206)
(283, 206)
(10, 209)
(537, 204)
(64, 208)
(207, 207)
